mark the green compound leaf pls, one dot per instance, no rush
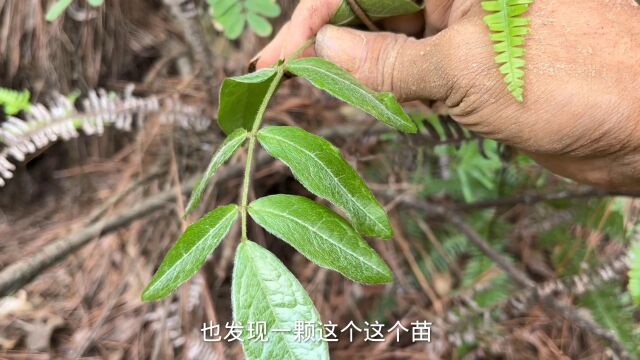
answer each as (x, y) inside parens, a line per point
(509, 29)
(339, 83)
(230, 145)
(232, 15)
(261, 7)
(263, 290)
(320, 167)
(634, 273)
(259, 25)
(220, 7)
(57, 9)
(322, 236)
(14, 101)
(232, 20)
(240, 99)
(189, 253)
(375, 9)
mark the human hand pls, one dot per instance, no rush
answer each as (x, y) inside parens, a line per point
(581, 114)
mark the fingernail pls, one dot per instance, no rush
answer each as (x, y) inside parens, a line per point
(253, 63)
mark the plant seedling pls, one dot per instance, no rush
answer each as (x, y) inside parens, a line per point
(263, 289)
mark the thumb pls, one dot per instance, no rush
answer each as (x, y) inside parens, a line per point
(409, 68)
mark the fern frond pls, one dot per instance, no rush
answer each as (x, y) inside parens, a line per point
(460, 319)
(45, 124)
(509, 29)
(634, 273)
(14, 101)
(612, 309)
(184, 116)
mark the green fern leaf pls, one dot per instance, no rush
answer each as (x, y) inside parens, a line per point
(508, 30)
(634, 273)
(14, 101)
(613, 310)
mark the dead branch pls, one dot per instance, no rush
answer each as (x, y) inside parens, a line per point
(186, 12)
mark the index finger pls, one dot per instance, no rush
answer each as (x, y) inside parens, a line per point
(307, 19)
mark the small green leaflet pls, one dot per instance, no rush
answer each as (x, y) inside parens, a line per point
(232, 15)
(188, 255)
(375, 9)
(321, 235)
(60, 6)
(264, 290)
(634, 273)
(57, 9)
(320, 167)
(241, 97)
(508, 29)
(14, 101)
(230, 145)
(339, 83)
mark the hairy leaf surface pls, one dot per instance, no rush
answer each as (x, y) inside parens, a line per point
(240, 99)
(188, 255)
(339, 83)
(264, 290)
(375, 9)
(230, 145)
(321, 235)
(509, 29)
(320, 167)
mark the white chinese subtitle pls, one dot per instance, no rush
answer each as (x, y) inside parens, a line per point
(306, 331)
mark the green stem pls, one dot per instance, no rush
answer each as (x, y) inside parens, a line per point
(253, 137)
(296, 54)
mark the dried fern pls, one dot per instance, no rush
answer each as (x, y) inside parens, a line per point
(509, 29)
(14, 101)
(61, 120)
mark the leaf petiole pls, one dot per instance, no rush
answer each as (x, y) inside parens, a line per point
(296, 54)
(244, 200)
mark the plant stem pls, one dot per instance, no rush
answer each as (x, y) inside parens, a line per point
(296, 54)
(253, 137)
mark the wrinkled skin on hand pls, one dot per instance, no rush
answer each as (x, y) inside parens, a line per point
(581, 115)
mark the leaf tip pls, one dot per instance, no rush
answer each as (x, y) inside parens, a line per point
(410, 128)
(149, 294)
(387, 278)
